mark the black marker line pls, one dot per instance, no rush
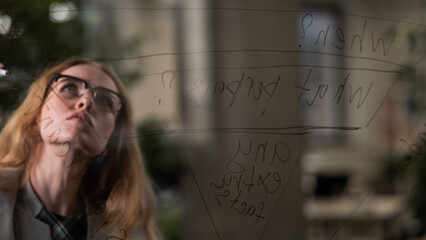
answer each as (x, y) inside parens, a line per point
(307, 127)
(244, 10)
(5, 30)
(327, 127)
(370, 191)
(419, 61)
(414, 126)
(272, 66)
(379, 19)
(279, 198)
(303, 65)
(150, 134)
(303, 130)
(383, 101)
(266, 67)
(199, 190)
(250, 50)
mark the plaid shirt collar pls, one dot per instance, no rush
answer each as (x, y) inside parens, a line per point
(62, 228)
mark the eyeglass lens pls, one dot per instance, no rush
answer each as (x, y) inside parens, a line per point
(71, 88)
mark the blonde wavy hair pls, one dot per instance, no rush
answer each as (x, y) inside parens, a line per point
(119, 183)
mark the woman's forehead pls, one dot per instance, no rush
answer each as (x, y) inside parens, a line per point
(91, 74)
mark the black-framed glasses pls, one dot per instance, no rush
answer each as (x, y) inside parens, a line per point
(70, 87)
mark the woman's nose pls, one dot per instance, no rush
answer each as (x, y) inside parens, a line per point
(85, 102)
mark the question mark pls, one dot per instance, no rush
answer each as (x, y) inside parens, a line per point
(164, 79)
(303, 25)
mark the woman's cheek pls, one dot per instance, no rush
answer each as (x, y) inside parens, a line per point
(107, 127)
(49, 127)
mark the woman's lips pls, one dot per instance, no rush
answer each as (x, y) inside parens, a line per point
(82, 117)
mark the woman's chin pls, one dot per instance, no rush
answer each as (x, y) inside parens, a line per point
(85, 144)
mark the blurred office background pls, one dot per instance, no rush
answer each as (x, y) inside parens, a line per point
(330, 92)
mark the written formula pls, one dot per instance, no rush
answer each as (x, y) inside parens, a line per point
(253, 178)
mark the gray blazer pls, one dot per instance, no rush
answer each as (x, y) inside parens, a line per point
(18, 210)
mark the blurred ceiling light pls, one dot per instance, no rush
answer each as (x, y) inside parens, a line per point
(62, 11)
(5, 24)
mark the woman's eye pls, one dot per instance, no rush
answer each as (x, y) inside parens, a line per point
(105, 101)
(70, 89)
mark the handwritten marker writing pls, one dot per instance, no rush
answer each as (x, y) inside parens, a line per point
(4, 73)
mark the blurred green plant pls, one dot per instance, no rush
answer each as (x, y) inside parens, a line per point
(161, 153)
(165, 165)
(32, 40)
(169, 219)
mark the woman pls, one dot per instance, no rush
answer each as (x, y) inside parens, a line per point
(66, 172)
